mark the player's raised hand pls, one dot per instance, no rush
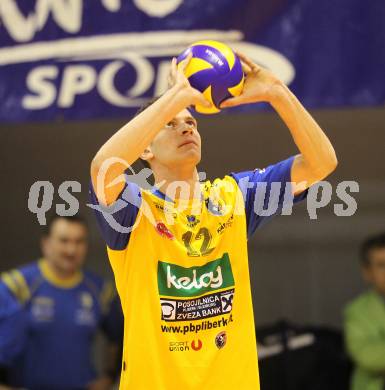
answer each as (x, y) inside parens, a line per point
(176, 77)
(260, 84)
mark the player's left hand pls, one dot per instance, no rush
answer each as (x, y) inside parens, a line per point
(261, 84)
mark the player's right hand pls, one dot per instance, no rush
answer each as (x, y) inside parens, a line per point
(177, 78)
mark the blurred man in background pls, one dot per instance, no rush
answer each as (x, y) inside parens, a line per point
(51, 311)
(365, 320)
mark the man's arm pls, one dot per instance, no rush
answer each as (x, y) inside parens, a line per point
(365, 348)
(317, 158)
(132, 139)
(112, 325)
(112, 367)
(13, 327)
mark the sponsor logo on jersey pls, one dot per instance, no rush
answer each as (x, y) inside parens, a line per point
(178, 346)
(163, 230)
(224, 225)
(166, 210)
(196, 345)
(43, 309)
(177, 281)
(196, 293)
(86, 300)
(206, 306)
(192, 221)
(221, 339)
(182, 346)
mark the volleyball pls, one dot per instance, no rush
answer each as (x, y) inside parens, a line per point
(215, 70)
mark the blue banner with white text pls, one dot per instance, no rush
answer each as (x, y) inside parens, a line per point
(79, 59)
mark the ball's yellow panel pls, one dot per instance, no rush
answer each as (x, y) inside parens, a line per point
(196, 65)
(237, 89)
(224, 49)
(205, 110)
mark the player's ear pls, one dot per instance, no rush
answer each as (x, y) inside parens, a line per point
(147, 154)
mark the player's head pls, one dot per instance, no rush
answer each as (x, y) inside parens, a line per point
(177, 145)
(373, 261)
(64, 243)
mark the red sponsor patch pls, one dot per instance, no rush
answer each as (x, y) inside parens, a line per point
(162, 229)
(196, 346)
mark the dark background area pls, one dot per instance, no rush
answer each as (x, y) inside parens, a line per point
(302, 270)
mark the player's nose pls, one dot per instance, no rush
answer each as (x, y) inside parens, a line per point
(184, 129)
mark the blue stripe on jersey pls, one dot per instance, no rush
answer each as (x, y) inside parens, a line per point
(116, 220)
(261, 185)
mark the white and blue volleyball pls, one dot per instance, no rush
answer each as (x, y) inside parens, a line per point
(215, 70)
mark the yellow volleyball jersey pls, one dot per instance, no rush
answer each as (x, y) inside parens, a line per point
(183, 279)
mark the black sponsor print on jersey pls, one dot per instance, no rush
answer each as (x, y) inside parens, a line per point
(197, 327)
(198, 308)
(222, 226)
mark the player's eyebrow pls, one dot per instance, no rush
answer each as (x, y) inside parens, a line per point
(188, 118)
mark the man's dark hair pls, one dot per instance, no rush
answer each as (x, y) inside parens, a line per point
(73, 219)
(374, 242)
(145, 105)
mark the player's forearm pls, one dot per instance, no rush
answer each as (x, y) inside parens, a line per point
(317, 153)
(130, 141)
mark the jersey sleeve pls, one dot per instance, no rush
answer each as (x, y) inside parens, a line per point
(13, 325)
(116, 221)
(266, 192)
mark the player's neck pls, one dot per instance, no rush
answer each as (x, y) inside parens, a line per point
(187, 180)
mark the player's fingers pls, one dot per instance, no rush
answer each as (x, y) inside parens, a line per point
(172, 72)
(246, 68)
(171, 77)
(174, 68)
(246, 60)
(200, 98)
(186, 61)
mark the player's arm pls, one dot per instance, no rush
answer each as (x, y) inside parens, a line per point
(131, 140)
(317, 158)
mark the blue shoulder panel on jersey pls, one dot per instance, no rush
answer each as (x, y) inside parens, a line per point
(266, 192)
(22, 282)
(116, 221)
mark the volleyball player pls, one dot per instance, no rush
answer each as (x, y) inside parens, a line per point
(182, 272)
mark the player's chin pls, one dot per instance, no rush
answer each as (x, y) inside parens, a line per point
(71, 264)
(192, 156)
